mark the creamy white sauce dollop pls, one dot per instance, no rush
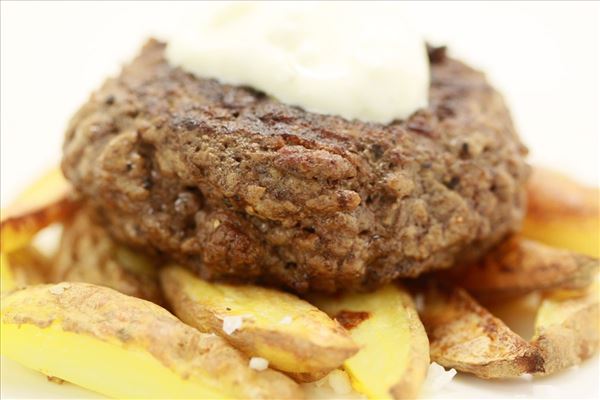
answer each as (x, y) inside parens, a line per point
(358, 61)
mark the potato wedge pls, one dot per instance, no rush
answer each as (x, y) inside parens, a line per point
(519, 266)
(7, 280)
(563, 213)
(335, 385)
(394, 357)
(126, 347)
(87, 253)
(27, 266)
(48, 200)
(465, 336)
(567, 328)
(289, 332)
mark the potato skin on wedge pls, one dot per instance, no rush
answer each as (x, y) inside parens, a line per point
(519, 266)
(562, 212)
(126, 347)
(88, 254)
(394, 357)
(465, 336)
(292, 334)
(567, 328)
(50, 199)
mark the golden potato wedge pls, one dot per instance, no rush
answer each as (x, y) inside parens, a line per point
(520, 266)
(289, 332)
(567, 328)
(563, 213)
(48, 200)
(87, 253)
(394, 357)
(27, 266)
(465, 336)
(125, 347)
(7, 281)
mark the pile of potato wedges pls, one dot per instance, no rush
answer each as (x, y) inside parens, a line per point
(103, 316)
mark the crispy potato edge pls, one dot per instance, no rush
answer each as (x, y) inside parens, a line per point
(300, 355)
(205, 362)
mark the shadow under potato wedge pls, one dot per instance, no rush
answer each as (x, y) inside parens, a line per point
(126, 347)
(292, 334)
(49, 199)
(562, 212)
(519, 266)
(567, 327)
(465, 336)
(394, 356)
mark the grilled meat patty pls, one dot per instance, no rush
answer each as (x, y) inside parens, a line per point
(236, 185)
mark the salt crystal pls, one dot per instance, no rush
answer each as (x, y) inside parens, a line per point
(259, 363)
(437, 378)
(231, 324)
(59, 288)
(286, 320)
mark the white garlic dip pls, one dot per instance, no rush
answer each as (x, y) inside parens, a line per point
(355, 60)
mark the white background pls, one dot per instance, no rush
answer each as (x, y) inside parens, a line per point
(543, 56)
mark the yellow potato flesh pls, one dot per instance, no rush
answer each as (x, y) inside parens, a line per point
(562, 212)
(44, 202)
(559, 305)
(125, 347)
(50, 186)
(268, 305)
(28, 266)
(13, 238)
(376, 381)
(567, 327)
(111, 369)
(578, 234)
(289, 332)
(394, 355)
(7, 281)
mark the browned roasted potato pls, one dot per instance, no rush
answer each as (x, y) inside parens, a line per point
(563, 213)
(88, 254)
(520, 266)
(293, 335)
(465, 336)
(48, 200)
(567, 327)
(125, 347)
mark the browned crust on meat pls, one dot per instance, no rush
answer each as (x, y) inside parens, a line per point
(237, 185)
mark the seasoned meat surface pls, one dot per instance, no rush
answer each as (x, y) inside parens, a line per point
(236, 185)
